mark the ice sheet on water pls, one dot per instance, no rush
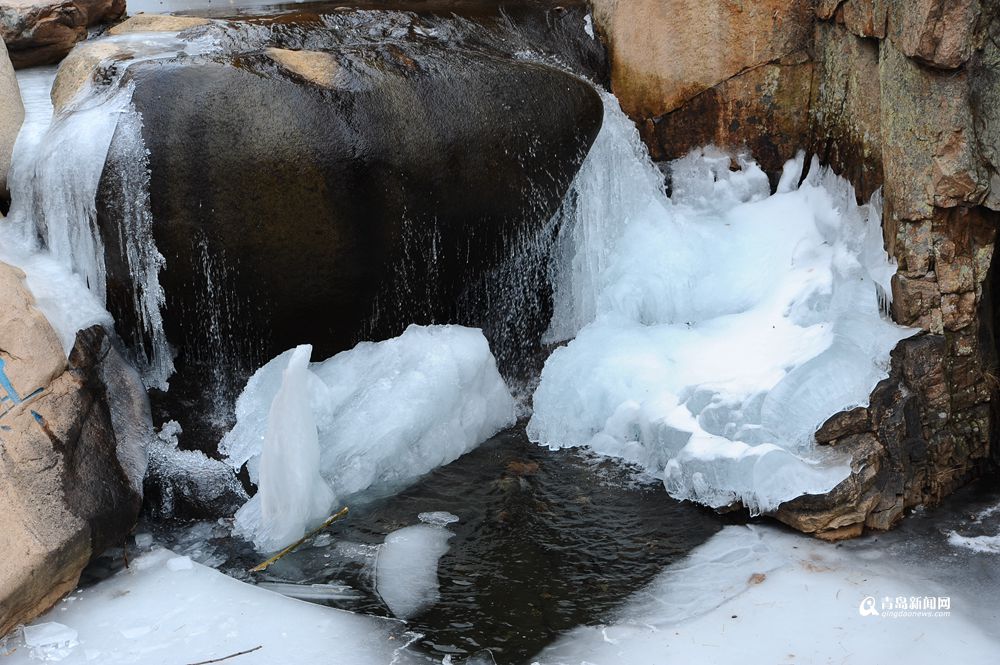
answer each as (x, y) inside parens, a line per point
(49, 641)
(747, 582)
(156, 613)
(716, 329)
(367, 421)
(406, 568)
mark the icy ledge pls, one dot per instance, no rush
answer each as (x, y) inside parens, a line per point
(715, 330)
(167, 610)
(367, 421)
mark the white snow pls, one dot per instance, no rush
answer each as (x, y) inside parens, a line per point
(153, 614)
(713, 331)
(762, 595)
(406, 568)
(982, 544)
(382, 415)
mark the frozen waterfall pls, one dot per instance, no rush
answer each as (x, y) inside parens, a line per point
(713, 330)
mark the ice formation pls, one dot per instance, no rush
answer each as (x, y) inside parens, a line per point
(406, 568)
(165, 610)
(189, 477)
(60, 294)
(52, 233)
(367, 421)
(291, 493)
(715, 330)
(759, 595)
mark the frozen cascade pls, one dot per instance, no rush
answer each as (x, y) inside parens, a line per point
(57, 168)
(716, 329)
(371, 420)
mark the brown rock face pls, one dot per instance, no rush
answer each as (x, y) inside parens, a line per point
(666, 53)
(845, 107)
(42, 32)
(72, 456)
(765, 107)
(11, 116)
(935, 32)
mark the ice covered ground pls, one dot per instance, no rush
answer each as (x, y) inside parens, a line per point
(367, 421)
(715, 330)
(168, 610)
(762, 595)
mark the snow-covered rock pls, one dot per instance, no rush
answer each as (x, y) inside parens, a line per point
(367, 421)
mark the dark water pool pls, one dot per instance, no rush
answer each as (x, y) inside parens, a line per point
(546, 541)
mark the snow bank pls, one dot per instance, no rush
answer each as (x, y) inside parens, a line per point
(367, 421)
(714, 330)
(168, 610)
(760, 595)
(406, 568)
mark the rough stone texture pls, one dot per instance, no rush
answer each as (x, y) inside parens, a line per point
(845, 108)
(29, 348)
(984, 71)
(765, 107)
(930, 152)
(866, 18)
(42, 32)
(666, 53)
(157, 23)
(80, 66)
(917, 449)
(72, 455)
(11, 116)
(939, 33)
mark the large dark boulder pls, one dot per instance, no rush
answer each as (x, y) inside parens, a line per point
(294, 193)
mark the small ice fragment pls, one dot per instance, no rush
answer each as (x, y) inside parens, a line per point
(588, 25)
(179, 563)
(311, 591)
(144, 540)
(406, 568)
(135, 632)
(438, 518)
(49, 641)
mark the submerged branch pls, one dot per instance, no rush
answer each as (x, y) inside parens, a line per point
(264, 566)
